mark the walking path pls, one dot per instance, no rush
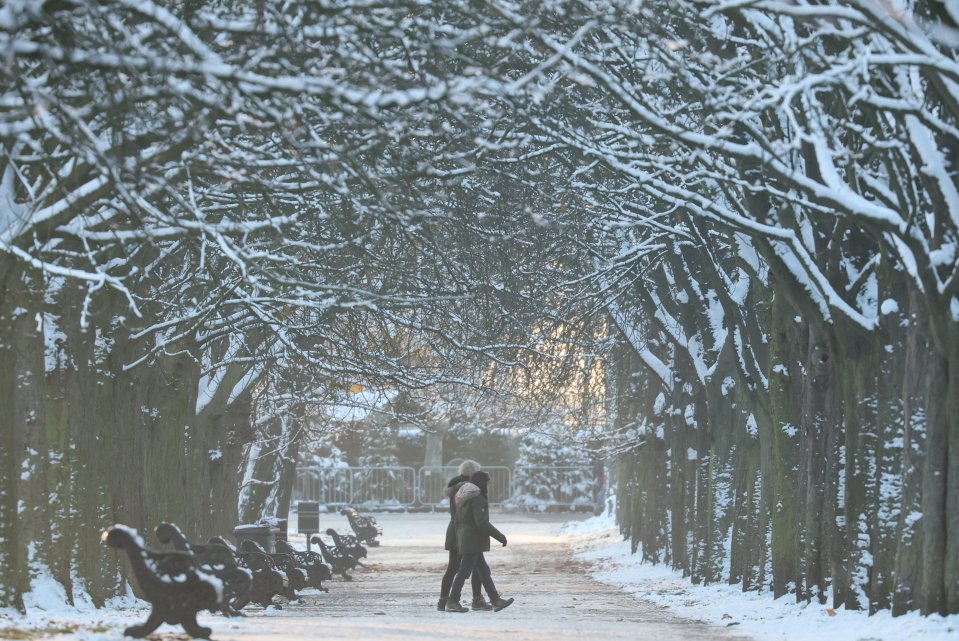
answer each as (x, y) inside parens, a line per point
(395, 597)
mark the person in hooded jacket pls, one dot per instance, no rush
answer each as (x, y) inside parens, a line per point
(473, 532)
(466, 468)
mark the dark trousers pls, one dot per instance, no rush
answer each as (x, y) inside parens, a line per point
(451, 568)
(473, 564)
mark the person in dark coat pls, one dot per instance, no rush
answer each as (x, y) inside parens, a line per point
(473, 532)
(479, 603)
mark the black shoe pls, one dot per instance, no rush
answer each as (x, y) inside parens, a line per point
(441, 605)
(480, 603)
(455, 606)
(499, 603)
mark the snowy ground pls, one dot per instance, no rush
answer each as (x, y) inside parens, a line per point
(597, 543)
(394, 598)
(571, 581)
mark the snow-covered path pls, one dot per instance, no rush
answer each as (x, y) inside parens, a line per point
(395, 597)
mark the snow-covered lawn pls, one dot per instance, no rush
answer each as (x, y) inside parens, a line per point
(597, 542)
(50, 616)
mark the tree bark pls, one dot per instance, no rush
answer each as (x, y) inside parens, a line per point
(270, 470)
(909, 546)
(783, 443)
(13, 575)
(934, 486)
(821, 415)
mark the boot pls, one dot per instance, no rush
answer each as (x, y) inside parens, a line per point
(480, 603)
(441, 605)
(453, 605)
(499, 603)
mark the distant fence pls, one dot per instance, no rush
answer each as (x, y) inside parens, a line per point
(433, 480)
(373, 486)
(382, 487)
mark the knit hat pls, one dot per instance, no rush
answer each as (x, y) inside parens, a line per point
(480, 480)
(469, 466)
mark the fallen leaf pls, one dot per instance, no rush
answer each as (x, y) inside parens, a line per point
(830, 612)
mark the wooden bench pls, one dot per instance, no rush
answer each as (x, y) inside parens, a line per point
(316, 570)
(296, 577)
(216, 560)
(268, 581)
(364, 527)
(339, 562)
(173, 583)
(348, 544)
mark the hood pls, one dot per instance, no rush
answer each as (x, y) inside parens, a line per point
(466, 492)
(454, 487)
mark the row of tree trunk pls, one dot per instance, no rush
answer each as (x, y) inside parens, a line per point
(86, 442)
(839, 483)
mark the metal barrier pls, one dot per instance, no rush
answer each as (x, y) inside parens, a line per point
(433, 481)
(384, 486)
(378, 487)
(432, 484)
(326, 485)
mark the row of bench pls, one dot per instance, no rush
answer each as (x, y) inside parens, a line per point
(364, 527)
(219, 577)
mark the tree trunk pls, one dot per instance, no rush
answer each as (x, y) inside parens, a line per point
(270, 470)
(28, 415)
(821, 411)
(909, 545)
(934, 486)
(858, 370)
(433, 456)
(783, 446)
(13, 571)
(678, 489)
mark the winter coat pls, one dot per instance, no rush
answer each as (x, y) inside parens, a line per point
(454, 485)
(473, 529)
